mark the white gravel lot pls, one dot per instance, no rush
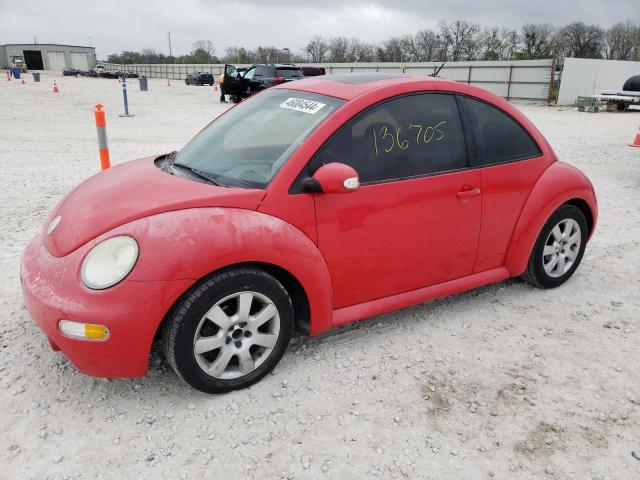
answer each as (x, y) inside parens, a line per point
(505, 382)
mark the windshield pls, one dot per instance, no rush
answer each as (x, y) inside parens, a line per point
(246, 146)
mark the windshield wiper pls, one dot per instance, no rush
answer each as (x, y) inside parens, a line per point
(171, 157)
(195, 172)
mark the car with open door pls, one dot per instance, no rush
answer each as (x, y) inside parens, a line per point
(241, 84)
(311, 205)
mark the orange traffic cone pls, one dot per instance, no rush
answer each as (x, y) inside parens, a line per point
(636, 141)
(55, 87)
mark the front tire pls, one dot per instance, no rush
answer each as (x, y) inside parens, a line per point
(558, 249)
(229, 331)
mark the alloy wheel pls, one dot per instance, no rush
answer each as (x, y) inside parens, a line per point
(236, 335)
(561, 248)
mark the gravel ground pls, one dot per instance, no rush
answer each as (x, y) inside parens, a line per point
(505, 382)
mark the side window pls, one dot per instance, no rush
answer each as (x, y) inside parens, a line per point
(403, 137)
(259, 71)
(250, 73)
(230, 71)
(498, 137)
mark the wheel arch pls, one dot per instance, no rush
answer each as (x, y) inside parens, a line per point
(197, 243)
(559, 184)
(586, 210)
(299, 298)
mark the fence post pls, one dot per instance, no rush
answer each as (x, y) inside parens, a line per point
(553, 74)
(509, 81)
(469, 77)
(124, 97)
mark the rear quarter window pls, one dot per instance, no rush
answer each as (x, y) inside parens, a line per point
(498, 137)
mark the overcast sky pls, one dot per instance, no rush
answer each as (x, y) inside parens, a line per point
(116, 25)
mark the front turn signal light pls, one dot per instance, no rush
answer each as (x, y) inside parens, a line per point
(85, 331)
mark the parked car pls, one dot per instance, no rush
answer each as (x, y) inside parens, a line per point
(74, 72)
(257, 78)
(103, 72)
(313, 71)
(199, 78)
(309, 206)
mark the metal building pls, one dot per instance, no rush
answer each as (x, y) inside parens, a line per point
(48, 56)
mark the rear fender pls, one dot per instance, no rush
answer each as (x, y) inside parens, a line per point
(560, 183)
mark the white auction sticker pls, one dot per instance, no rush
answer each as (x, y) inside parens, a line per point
(302, 105)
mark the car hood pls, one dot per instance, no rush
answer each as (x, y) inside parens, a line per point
(128, 192)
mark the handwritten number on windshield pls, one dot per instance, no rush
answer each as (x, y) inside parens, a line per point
(393, 139)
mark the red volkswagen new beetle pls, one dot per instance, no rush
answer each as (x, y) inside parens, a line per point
(306, 207)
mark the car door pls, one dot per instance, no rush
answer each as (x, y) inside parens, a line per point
(509, 163)
(249, 84)
(415, 219)
(232, 81)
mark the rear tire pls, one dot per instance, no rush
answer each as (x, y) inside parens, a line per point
(229, 331)
(559, 248)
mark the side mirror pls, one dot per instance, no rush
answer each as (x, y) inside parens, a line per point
(333, 178)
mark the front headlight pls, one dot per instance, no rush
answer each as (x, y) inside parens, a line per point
(109, 262)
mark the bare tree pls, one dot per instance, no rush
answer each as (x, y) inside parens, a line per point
(581, 41)
(203, 51)
(237, 55)
(149, 55)
(491, 44)
(511, 42)
(268, 54)
(338, 49)
(317, 48)
(360, 51)
(538, 40)
(621, 41)
(410, 49)
(429, 46)
(392, 50)
(461, 39)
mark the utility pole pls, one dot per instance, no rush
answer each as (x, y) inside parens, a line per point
(169, 37)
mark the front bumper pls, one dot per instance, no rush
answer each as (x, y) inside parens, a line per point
(131, 310)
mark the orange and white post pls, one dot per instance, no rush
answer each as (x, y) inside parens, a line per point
(101, 127)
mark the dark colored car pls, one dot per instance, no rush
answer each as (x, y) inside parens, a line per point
(257, 78)
(313, 71)
(199, 78)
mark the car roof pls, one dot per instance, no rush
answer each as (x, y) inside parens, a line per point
(348, 86)
(277, 65)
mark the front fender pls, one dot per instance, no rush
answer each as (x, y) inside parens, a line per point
(191, 243)
(558, 184)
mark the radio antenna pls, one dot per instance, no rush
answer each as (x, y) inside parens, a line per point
(435, 74)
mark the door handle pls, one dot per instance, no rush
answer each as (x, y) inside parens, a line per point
(468, 193)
